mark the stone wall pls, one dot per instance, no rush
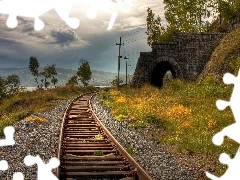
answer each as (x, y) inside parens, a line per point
(187, 55)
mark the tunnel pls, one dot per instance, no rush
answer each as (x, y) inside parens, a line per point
(159, 71)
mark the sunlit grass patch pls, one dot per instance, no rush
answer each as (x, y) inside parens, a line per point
(176, 112)
(20, 106)
(121, 117)
(38, 120)
(186, 112)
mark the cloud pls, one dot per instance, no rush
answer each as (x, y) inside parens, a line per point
(9, 41)
(25, 24)
(59, 44)
(66, 37)
(134, 15)
(39, 36)
(129, 23)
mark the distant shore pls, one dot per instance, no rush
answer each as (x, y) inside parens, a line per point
(34, 88)
(30, 88)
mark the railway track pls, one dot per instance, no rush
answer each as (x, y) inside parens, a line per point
(88, 151)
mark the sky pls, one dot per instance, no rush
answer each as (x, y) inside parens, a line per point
(64, 46)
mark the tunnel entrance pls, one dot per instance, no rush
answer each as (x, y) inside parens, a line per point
(159, 72)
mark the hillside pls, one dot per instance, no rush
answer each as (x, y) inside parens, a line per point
(99, 78)
(225, 57)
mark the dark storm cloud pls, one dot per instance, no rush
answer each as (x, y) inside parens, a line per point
(65, 47)
(64, 37)
(25, 24)
(9, 42)
(41, 36)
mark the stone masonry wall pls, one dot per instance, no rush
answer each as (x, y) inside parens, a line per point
(187, 55)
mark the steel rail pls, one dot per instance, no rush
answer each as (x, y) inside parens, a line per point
(77, 143)
(142, 175)
(57, 172)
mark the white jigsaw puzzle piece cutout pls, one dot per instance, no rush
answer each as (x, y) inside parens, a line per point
(105, 5)
(9, 133)
(36, 8)
(44, 170)
(231, 131)
(18, 176)
(232, 172)
(3, 165)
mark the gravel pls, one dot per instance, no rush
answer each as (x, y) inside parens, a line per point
(159, 164)
(33, 139)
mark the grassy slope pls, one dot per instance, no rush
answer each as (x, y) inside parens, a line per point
(185, 114)
(225, 57)
(17, 107)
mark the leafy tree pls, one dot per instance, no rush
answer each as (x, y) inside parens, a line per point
(33, 67)
(236, 6)
(114, 82)
(154, 28)
(84, 72)
(187, 16)
(54, 80)
(48, 72)
(182, 16)
(9, 85)
(2, 87)
(224, 10)
(12, 83)
(73, 80)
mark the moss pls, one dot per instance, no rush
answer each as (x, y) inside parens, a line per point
(225, 57)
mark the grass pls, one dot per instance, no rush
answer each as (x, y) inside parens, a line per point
(185, 112)
(130, 150)
(38, 120)
(22, 105)
(98, 136)
(98, 153)
(225, 57)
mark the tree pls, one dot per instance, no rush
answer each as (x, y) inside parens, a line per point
(12, 83)
(224, 10)
(154, 28)
(114, 81)
(84, 72)
(9, 85)
(222, 13)
(33, 67)
(54, 80)
(2, 87)
(47, 73)
(73, 80)
(187, 16)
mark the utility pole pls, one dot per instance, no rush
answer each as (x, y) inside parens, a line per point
(126, 67)
(119, 56)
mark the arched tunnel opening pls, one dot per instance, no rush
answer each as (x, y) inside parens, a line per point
(159, 72)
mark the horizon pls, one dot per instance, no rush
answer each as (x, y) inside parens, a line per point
(122, 73)
(59, 44)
